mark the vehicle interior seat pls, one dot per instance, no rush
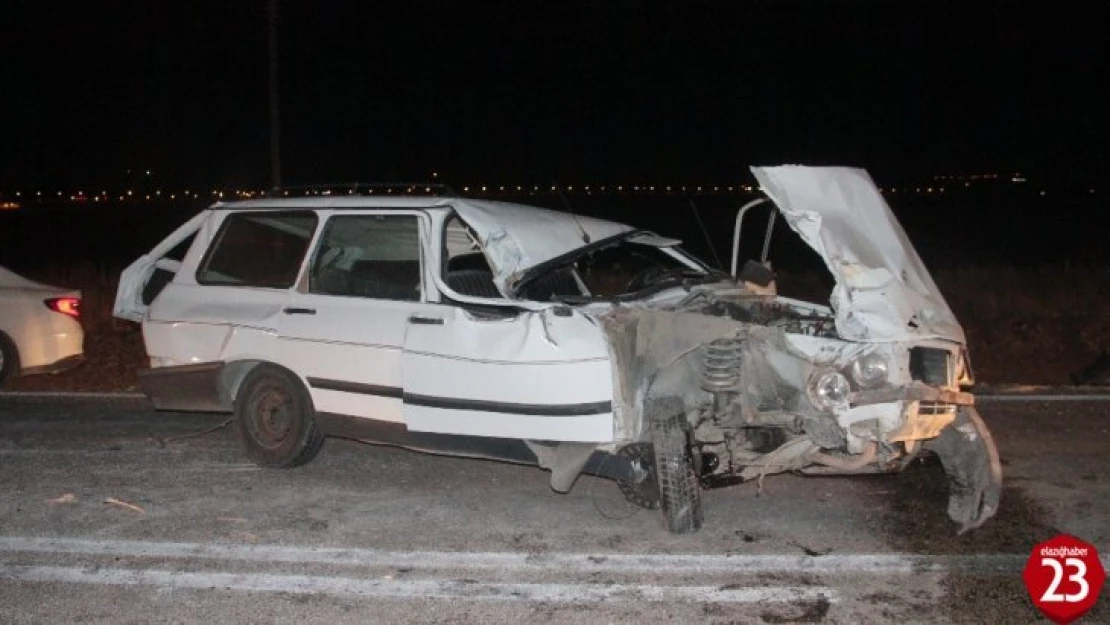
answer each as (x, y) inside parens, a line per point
(551, 284)
(473, 282)
(390, 279)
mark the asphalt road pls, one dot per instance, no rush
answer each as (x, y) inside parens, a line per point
(111, 512)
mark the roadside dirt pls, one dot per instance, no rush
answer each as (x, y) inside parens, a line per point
(112, 359)
(916, 511)
(1017, 349)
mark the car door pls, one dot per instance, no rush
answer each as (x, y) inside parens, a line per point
(343, 327)
(145, 278)
(482, 366)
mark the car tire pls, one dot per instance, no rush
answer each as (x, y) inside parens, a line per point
(276, 420)
(679, 491)
(9, 359)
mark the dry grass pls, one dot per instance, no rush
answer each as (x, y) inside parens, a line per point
(1034, 326)
(1039, 325)
(1045, 292)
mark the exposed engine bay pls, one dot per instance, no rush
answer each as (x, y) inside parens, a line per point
(764, 386)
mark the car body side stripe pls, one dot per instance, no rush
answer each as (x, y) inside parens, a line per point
(455, 403)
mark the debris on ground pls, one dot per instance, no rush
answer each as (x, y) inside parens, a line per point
(123, 504)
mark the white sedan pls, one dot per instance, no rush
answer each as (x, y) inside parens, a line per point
(40, 328)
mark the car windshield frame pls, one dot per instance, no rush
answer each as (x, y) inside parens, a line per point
(563, 260)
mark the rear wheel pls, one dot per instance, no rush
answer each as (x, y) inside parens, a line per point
(276, 420)
(679, 491)
(9, 359)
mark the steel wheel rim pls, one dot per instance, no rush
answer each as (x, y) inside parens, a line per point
(270, 415)
(646, 493)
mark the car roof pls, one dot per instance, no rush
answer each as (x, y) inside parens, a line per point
(361, 202)
(514, 237)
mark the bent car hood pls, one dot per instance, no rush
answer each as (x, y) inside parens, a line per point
(516, 238)
(883, 291)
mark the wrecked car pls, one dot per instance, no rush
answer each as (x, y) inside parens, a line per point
(502, 331)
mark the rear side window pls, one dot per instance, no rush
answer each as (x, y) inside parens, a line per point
(263, 249)
(181, 249)
(374, 256)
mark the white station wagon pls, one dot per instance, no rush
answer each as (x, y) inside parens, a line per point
(497, 330)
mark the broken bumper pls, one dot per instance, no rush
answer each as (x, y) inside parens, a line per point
(970, 458)
(913, 392)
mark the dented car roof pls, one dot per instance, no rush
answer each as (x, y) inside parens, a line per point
(514, 237)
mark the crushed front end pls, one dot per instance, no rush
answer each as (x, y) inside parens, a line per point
(767, 388)
(817, 404)
(769, 384)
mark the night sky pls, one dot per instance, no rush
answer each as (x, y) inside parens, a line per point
(525, 92)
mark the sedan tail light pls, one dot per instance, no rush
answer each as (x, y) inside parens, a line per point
(66, 305)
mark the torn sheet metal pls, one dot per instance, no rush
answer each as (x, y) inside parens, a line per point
(970, 458)
(883, 291)
(129, 302)
(516, 238)
(645, 342)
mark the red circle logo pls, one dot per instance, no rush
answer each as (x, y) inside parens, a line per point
(1064, 577)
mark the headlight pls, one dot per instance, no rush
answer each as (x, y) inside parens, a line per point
(829, 390)
(869, 370)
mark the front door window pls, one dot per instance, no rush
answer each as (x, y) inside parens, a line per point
(375, 256)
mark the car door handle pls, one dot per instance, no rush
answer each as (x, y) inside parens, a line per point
(299, 311)
(426, 321)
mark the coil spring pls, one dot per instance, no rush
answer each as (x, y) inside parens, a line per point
(721, 368)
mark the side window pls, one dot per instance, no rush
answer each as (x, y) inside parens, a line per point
(258, 249)
(368, 256)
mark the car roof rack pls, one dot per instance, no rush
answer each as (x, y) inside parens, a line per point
(434, 189)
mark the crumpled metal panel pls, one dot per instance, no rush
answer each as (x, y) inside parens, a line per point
(516, 238)
(128, 303)
(883, 291)
(645, 342)
(773, 374)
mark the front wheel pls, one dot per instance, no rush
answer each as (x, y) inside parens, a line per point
(276, 420)
(679, 491)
